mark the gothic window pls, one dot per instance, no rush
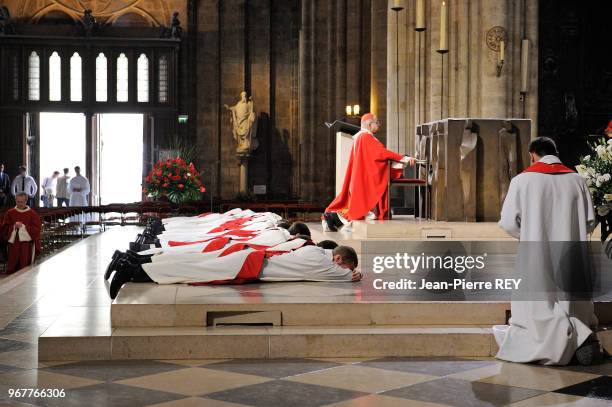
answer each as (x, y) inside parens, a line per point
(163, 79)
(101, 78)
(143, 78)
(55, 77)
(76, 83)
(34, 76)
(122, 78)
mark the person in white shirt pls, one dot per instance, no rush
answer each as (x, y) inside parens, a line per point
(47, 189)
(78, 188)
(62, 189)
(26, 184)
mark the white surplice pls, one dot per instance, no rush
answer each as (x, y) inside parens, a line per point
(78, 198)
(309, 263)
(545, 208)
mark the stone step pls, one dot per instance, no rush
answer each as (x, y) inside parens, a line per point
(144, 305)
(269, 342)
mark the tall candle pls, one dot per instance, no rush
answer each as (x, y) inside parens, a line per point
(397, 4)
(443, 27)
(420, 15)
(524, 66)
(502, 51)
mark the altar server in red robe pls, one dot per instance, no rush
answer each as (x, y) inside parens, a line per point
(21, 229)
(365, 183)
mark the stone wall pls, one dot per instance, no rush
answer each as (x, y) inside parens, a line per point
(471, 85)
(302, 62)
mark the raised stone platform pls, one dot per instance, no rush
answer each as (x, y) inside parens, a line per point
(266, 320)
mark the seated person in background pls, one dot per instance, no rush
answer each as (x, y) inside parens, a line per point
(21, 229)
(309, 263)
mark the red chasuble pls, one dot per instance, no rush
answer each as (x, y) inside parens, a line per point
(365, 182)
(20, 253)
(544, 168)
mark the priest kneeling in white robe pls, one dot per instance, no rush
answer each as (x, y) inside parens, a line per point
(309, 263)
(548, 207)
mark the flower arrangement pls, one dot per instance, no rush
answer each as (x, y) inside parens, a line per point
(596, 170)
(174, 179)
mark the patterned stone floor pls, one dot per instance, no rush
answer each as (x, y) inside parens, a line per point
(31, 300)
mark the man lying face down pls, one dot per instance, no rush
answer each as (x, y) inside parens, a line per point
(309, 263)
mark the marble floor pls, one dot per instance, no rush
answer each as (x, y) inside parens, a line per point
(71, 283)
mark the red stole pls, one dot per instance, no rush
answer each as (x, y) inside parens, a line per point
(29, 218)
(543, 168)
(366, 179)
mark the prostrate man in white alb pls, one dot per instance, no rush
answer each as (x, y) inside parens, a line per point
(309, 263)
(78, 188)
(547, 207)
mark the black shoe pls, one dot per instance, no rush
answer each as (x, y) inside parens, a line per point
(589, 353)
(329, 219)
(138, 247)
(137, 255)
(149, 239)
(118, 255)
(124, 273)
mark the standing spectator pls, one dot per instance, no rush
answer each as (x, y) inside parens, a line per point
(21, 229)
(48, 189)
(62, 189)
(5, 186)
(78, 188)
(26, 184)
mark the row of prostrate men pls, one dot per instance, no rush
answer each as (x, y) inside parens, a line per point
(234, 247)
(69, 191)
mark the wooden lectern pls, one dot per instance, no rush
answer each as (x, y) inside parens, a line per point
(344, 143)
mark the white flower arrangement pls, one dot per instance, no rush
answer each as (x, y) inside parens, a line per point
(596, 169)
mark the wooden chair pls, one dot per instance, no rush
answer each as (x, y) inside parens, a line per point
(419, 183)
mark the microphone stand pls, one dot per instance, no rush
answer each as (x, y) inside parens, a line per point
(344, 125)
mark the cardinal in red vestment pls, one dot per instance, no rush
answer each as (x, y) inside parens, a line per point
(21, 229)
(365, 183)
(609, 129)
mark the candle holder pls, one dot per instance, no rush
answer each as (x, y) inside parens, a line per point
(442, 52)
(397, 7)
(500, 65)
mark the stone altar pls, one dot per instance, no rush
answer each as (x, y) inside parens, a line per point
(472, 163)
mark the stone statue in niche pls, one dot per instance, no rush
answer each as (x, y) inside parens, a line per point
(243, 119)
(508, 167)
(467, 168)
(5, 17)
(89, 22)
(176, 31)
(244, 129)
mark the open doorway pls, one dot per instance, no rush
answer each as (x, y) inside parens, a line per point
(120, 157)
(62, 143)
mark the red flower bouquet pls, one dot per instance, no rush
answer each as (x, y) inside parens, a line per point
(174, 179)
